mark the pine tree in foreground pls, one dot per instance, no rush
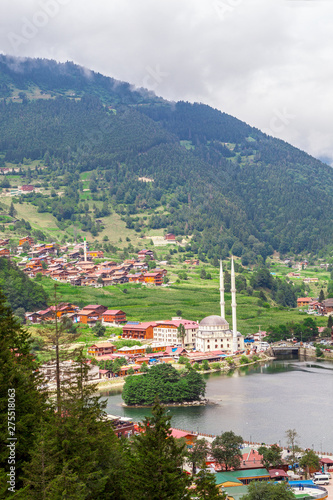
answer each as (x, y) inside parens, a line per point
(21, 403)
(156, 460)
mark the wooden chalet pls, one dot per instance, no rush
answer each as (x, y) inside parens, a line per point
(142, 254)
(91, 314)
(26, 239)
(96, 254)
(101, 349)
(170, 237)
(153, 278)
(136, 278)
(140, 331)
(4, 252)
(114, 316)
(304, 301)
(123, 371)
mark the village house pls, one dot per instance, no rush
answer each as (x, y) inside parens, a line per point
(26, 239)
(96, 254)
(4, 252)
(310, 280)
(326, 307)
(170, 237)
(136, 278)
(91, 314)
(304, 301)
(153, 278)
(112, 316)
(101, 349)
(142, 254)
(140, 331)
(27, 188)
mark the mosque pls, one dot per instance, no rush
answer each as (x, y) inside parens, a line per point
(214, 333)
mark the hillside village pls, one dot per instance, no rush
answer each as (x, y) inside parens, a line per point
(75, 266)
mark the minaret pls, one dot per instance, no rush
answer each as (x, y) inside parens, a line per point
(233, 306)
(85, 250)
(222, 303)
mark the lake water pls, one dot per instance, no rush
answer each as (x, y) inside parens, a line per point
(259, 403)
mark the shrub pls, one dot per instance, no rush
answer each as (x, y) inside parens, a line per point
(244, 360)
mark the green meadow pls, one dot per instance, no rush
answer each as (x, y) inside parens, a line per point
(194, 302)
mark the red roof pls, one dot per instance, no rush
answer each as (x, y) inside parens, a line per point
(140, 326)
(277, 473)
(188, 324)
(102, 344)
(113, 311)
(327, 461)
(176, 433)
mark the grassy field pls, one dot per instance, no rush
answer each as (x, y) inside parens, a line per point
(195, 301)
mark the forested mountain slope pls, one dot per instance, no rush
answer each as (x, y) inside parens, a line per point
(227, 184)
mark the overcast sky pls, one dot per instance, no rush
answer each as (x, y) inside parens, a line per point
(267, 62)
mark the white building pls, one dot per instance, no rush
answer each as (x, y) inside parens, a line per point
(214, 332)
(167, 332)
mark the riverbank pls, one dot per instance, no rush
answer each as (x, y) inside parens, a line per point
(202, 402)
(117, 383)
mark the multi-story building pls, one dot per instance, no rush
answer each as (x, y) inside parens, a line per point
(168, 332)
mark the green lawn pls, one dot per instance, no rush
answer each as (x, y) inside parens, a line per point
(194, 300)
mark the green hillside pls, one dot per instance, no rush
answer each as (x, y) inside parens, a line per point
(88, 141)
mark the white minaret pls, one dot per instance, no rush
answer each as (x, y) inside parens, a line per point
(222, 303)
(233, 306)
(85, 250)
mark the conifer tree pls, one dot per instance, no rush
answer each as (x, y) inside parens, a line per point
(19, 381)
(206, 487)
(78, 452)
(156, 460)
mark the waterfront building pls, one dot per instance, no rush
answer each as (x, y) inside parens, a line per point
(214, 332)
(167, 332)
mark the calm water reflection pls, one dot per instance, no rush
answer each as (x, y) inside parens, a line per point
(260, 403)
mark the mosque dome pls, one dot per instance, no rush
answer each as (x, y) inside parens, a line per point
(213, 321)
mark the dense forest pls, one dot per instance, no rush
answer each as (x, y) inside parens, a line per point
(227, 185)
(21, 292)
(166, 383)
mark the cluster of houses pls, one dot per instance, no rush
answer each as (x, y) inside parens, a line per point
(324, 308)
(76, 266)
(89, 315)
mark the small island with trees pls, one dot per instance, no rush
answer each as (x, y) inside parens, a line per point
(170, 385)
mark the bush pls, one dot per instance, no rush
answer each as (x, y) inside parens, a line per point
(216, 366)
(244, 360)
(205, 365)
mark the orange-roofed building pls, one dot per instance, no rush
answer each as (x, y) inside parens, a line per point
(96, 254)
(188, 436)
(27, 239)
(4, 252)
(154, 278)
(114, 316)
(304, 301)
(101, 349)
(140, 331)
